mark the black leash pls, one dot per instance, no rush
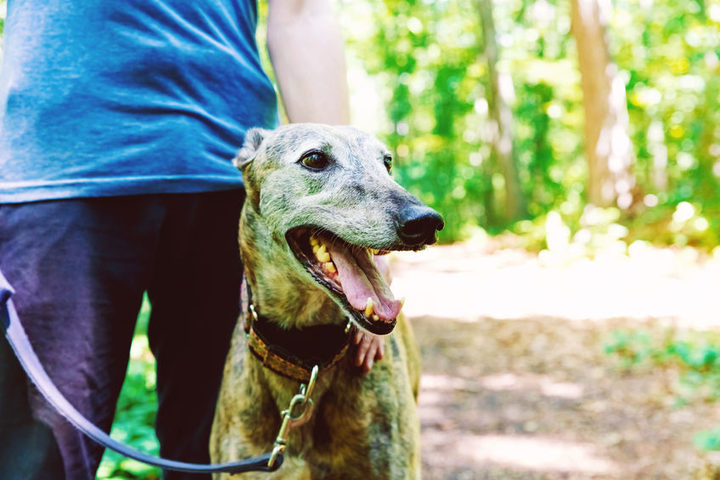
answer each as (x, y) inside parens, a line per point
(20, 344)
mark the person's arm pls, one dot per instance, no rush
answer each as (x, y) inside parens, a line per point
(308, 57)
(307, 54)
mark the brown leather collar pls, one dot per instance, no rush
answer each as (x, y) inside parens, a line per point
(294, 352)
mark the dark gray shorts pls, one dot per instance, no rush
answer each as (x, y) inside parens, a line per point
(79, 268)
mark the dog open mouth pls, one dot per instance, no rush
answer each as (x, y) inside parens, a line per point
(349, 272)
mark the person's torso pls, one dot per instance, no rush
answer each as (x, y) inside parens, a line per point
(105, 98)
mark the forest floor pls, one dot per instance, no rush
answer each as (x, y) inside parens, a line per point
(516, 384)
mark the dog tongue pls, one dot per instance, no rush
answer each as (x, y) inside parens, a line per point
(361, 280)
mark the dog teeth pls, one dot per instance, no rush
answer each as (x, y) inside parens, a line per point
(368, 308)
(322, 254)
(330, 267)
(314, 241)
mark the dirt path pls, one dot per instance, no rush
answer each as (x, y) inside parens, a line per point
(515, 383)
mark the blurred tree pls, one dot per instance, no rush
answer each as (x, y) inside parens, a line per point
(607, 145)
(500, 116)
(423, 57)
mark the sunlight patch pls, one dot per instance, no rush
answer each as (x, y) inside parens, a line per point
(536, 453)
(529, 381)
(507, 381)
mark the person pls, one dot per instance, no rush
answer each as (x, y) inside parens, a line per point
(118, 123)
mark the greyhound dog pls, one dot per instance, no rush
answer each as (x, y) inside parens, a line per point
(321, 204)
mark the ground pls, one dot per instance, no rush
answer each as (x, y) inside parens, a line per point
(516, 384)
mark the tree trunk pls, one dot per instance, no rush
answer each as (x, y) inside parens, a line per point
(500, 89)
(607, 144)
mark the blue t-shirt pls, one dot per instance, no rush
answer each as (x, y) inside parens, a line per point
(103, 97)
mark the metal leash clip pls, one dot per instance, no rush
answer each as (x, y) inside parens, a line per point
(304, 403)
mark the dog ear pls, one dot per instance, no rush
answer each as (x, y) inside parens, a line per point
(253, 139)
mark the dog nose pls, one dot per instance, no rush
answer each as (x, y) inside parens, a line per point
(417, 225)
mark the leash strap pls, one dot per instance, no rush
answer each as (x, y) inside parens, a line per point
(20, 344)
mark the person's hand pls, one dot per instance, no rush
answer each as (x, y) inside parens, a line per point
(369, 348)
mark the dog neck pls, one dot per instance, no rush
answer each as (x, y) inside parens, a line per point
(291, 325)
(293, 353)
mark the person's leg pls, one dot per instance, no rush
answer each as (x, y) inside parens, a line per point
(195, 297)
(79, 268)
(21, 436)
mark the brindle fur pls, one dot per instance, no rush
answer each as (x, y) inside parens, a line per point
(363, 426)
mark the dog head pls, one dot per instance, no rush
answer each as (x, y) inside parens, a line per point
(327, 203)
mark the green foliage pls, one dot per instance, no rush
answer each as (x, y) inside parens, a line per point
(631, 348)
(670, 53)
(427, 62)
(695, 356)
(425, 56)
(708, 440)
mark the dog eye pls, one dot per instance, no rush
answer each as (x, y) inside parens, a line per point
(387, 160)
(315, 160)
